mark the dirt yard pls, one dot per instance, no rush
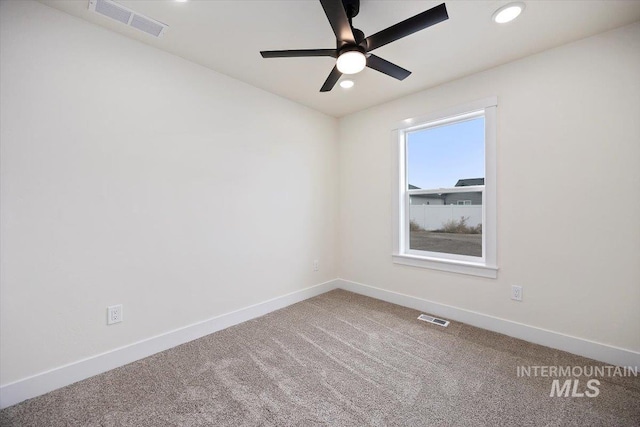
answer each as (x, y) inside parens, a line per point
(450, 243)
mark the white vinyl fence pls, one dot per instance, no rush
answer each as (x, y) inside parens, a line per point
(433, 217)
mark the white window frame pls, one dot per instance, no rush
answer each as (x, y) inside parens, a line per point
(485, 266)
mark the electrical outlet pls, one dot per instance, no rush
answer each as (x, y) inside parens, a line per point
(114, 314)
(516, 293)
(316, 265)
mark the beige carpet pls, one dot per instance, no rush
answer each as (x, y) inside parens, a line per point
(338, 359)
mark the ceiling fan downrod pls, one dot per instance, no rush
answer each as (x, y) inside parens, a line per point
(352, 7)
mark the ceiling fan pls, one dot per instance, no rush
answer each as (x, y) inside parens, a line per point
(352, 50)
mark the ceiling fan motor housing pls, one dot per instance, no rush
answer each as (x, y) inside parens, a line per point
(360, 46)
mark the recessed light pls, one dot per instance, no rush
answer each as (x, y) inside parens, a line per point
(346, 84)
(508, 12)
(182, 1)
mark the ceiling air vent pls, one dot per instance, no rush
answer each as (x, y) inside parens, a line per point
(124, 15)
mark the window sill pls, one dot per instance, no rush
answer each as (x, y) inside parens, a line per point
(452, 266)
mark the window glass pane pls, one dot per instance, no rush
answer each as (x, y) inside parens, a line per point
(438, 223)
(446, 156)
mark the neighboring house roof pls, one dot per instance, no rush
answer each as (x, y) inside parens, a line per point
(461, 183)
(469, 181)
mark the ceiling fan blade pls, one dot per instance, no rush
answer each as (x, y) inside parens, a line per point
(298, 53)
(331, 81)
(387, 67)
(407, 27)
(339, 21)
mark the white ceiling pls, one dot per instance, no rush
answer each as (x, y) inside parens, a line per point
(227, 36)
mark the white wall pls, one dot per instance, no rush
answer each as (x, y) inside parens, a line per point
(568, 135)
(126, 173)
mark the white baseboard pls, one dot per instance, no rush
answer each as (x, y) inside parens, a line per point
(593, 350)
(44, 382)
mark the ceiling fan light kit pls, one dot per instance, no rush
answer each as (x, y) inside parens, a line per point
(352, 52)
(351, 62)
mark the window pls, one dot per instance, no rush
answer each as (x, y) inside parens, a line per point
(445, 190)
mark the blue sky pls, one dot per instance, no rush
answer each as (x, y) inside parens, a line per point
(439, 157)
